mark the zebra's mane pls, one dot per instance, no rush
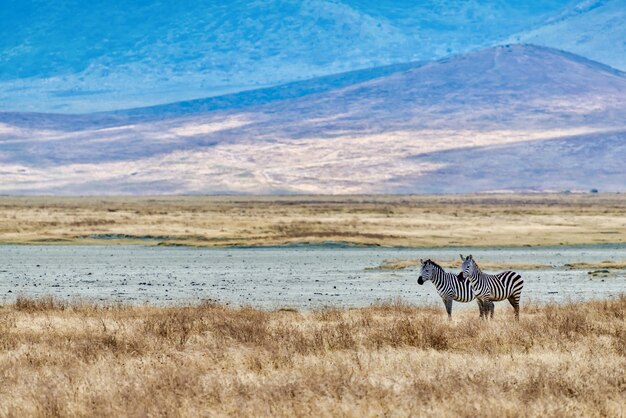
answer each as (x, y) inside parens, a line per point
(429, 261)
(477, 266)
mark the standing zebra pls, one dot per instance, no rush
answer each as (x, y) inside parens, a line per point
(448, 286)
(491, 288)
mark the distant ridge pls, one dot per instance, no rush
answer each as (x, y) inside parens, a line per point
(595, 29)
(515, 117)
(269, 94)
(137, 53)
(222, 102)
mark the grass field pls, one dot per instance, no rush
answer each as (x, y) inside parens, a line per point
(418, 221)
(60, 358)
(76, 359)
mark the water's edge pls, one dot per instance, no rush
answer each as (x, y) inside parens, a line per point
(299, 277)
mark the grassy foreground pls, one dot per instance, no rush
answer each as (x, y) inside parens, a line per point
(72, 359)
(416, 221)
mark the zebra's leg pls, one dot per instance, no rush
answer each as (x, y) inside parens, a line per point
(489, 309)
(480, 308)
(485, 308)
(448, 303)
(514, 301)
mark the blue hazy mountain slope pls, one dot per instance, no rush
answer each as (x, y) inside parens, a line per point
(72, 56)
(534, 113)
(226, 102)
(265, 95)
(595, 29)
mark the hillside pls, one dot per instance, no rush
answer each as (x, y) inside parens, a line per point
(495, 119)
(134, 53)
(595, 29)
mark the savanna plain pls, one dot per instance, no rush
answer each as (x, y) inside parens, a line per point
(78, 358)
(414, 221)
(62, 358)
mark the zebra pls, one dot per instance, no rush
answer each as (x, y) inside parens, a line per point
(491, 288)
(448, 286)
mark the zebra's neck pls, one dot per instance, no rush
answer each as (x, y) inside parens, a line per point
(438, 278)
(477, 276)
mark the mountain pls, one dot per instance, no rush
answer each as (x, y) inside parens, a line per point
(595, 29)
(517, 117)
(69, 56)
(226, 102)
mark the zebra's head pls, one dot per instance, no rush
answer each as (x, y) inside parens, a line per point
(428, 267)
(468, 268)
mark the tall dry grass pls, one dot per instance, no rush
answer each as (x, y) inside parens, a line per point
(77, 359)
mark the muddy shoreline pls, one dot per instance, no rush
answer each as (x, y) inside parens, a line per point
(300, 277)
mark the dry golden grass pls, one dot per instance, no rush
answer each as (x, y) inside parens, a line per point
(76, 359)
(404, 263)
(607, 264)
(419, 221)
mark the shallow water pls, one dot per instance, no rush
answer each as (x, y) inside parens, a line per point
(299, 277)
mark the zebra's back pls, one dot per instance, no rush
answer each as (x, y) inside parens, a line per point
(504, 285)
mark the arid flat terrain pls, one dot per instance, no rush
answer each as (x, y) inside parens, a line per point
(417, 221)
(73, 359)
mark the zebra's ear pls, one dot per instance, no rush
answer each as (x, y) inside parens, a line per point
(421, 261)
(470, 257)
(462, 258)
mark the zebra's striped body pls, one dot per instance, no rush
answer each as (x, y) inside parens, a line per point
(490, 288)
(448, 285)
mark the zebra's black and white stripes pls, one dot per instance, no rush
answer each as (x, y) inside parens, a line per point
(490, 288)
(448, 285)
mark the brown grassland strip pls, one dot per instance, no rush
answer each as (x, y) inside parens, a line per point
(404, 263)
(416, 221)
(77, 359)
(607, 264)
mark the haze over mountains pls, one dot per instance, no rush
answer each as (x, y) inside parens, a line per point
(514, 118)
(595, 29)
(70, 57)
(315, 96)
